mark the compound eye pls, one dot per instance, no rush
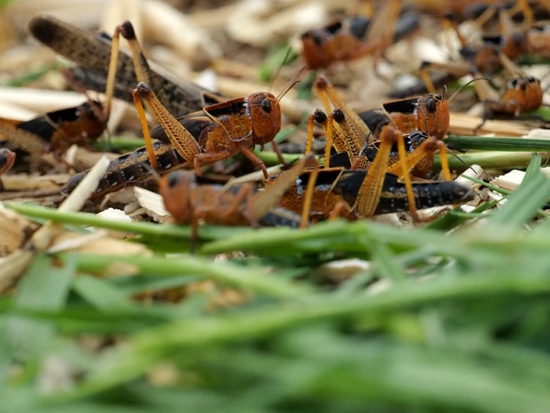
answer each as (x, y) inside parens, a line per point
(173, 180)
(431, 105)
(317, 38)
(531, 79)
(514, 83)
(266, 105)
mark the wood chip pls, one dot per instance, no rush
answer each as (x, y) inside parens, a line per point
(153, 204)
(462, 124)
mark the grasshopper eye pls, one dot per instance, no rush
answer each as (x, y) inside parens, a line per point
(431, 105)
(266, 105)
(317, 38)
(173, 180)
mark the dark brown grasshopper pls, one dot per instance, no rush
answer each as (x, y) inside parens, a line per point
(92, 53)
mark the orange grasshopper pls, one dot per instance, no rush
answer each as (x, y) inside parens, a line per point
(484, 58)
(56, 131)
(342, 193)
(349, 135)
(521, 94)
(348, 131)
(356, 37)
(220, 130)
(215, 133)
(361, 193)
(238, 205)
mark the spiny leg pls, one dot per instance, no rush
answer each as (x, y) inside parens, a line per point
(326, 92)
(370, 190)
(7, 159)
(329, 139)
(444, 161)
(429, 146)
(310, 120)
(145, 129)
(143, 74)
(406, 176)
(23, 139)
(308, 199)
(141, 67)
(113, 63)
(140, 63)
(351, 143)
(183, 141)
(257, 161)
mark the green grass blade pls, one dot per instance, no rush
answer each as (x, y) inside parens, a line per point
(45, 286)
(102, 295)
(482, 143)
(523, 204)
(253, 279)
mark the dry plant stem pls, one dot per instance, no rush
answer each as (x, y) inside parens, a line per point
(15, 264)
(86, 219)
(490, 159)
(40, 101)
(12, 266)
(463, 124)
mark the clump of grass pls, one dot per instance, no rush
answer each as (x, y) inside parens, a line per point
(437, 322)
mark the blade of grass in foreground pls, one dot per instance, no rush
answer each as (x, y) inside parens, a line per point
(143, 228)
(482, 143)
(45, 286)
(253, 279)
(154, 345)
(523, 204)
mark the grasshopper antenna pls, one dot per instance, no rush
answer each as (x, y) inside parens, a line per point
(293, 82)
(466, 84)
(462, 161)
